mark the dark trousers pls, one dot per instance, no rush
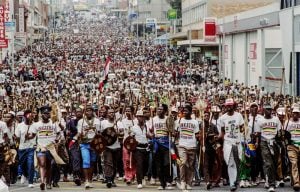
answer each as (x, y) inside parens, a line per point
(55, 177)
(163, 166)
(111, 157)
(141, 159)
(75, 160)
(213, 164)
(26, 162)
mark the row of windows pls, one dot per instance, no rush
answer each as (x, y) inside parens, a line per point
(196, 14)
(289, 3)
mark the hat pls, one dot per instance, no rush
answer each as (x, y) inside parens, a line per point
(295, 105)
(20, 113)
(139, 113)
(174, 109)
(12, 113)
(280, 111)
(268, 106)
(296, 110)
(215, 109)
(229, 102)
(253, 104)
(63, 110)
(45, 109)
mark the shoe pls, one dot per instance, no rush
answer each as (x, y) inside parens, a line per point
(169, 186)
(87, 185)
(208, 186)
(216, 185)
(296, 187)
(55, 185)
(48, 186)
(242, 184)
(152, 181)
(188, 187)
(100, 178)
(120, 178)
(23, 179)
(160, 188)
(271, 189)
(65, 179)
(181, 185)
(95, 178)
(247, 184)
(287, 178)
(140, 186)
(128, 182)
(42, 186)
(113, 184)
(281, 183)
(109, 184)
(225, 182)
(77, 181)
(30, 186)
(232, 188)
(267, 185)
(197, 183)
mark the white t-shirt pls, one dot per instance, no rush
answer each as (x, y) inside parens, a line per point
(187, 130)
(140, 135)
(160, 128)
(46, 132)
(20, 132)
(128, 124)
(84, 128)
(106, 124)
(294, 128)
(232, 126)
(3, 130)
(269, 127)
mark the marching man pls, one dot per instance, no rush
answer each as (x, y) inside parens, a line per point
(232, 127)
(188, 128)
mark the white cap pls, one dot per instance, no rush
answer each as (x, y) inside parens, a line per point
(174, 109)
(12, 113)
(139, 113)
(20, 113)
(296, 110)
(215, 108)
(281, 111)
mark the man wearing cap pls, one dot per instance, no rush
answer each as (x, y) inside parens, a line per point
(46, 133)
(267, 129)
(232, 126)
(87, 128)
(139, 131)
(26, 148)
(161, 147)
(293, 126)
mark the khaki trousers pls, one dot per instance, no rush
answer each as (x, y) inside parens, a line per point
(187, 169)
(294, 153)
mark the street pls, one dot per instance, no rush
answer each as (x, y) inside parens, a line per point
(122, 187)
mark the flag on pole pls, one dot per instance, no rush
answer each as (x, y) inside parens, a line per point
(105, 74)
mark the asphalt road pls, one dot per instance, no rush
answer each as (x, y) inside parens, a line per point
(122, 187)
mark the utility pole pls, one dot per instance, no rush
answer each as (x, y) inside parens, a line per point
(190, 34)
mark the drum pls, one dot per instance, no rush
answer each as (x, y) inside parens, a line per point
(130, 143)
(98, 143)
(110, 135)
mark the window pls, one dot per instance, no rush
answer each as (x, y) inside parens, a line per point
(289, 3)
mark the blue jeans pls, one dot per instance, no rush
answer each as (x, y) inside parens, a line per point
(26, 161)
(88, 155)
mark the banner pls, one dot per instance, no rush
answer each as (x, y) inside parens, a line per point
(21, 20)
(172, 14)
(210, 29)
(3, 41)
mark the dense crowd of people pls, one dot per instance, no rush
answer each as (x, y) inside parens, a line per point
(95, 103)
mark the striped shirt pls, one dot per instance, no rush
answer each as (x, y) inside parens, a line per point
(294, 128)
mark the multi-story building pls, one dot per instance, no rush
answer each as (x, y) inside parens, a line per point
(149, 9)
(196, 12)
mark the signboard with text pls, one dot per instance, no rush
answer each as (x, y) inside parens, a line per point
(3, 41)
(210, 29)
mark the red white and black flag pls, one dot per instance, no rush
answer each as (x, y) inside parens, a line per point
(105, 74)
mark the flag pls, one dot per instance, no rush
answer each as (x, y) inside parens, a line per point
(105, 74)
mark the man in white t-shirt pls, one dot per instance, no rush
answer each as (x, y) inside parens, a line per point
(187, 129)
(231, 129)
(87, 128)
(26, 147)
(46, 133)
(293, 126)
(268, 129)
